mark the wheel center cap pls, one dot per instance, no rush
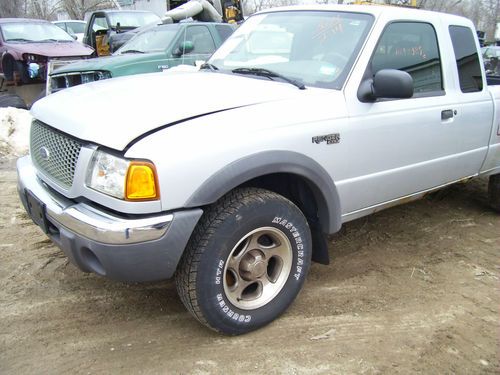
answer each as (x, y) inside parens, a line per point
(253, 266)
(259, 268)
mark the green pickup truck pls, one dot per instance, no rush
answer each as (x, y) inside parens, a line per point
(154, 49)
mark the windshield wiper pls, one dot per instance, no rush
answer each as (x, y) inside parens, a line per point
(206, 65)
(19, 40)
(132, 51)
(270, 74)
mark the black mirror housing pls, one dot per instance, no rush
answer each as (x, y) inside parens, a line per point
(387, 84)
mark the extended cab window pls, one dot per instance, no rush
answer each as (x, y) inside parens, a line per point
(413, 48)
(468, 65)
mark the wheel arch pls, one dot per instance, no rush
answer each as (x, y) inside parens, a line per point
(268, 169)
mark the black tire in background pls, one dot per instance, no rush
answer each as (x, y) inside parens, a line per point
(494, 192)
(11, 100)
(245, 262)
(8, 67)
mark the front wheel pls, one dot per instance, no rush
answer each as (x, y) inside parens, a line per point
(494, 192)
(246, 261)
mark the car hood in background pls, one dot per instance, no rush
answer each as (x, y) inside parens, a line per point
(102, 63)
(52, 49)
(114, 112)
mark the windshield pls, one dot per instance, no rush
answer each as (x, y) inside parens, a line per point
(491, 52)
(154, 40)
(34, 32)
(132, 19)
(316, 48)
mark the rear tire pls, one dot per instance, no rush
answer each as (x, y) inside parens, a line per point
(494, 192)
(246, 261)
(12, 100)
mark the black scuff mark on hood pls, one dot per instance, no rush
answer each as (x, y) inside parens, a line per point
(157, 129)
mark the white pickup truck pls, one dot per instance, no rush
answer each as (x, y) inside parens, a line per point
(230, 178)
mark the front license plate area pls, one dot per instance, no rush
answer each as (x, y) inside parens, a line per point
(37, 211)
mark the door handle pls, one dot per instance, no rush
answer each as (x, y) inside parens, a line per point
(447, 114)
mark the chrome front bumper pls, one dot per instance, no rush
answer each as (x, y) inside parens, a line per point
(85, 220)
(128, 248)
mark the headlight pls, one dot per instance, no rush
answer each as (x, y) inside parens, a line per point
(100, 75)
(95, 76)
(123, 179)
(30, 58)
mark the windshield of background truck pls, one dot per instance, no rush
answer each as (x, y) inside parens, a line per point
(132, 19)
(34, 32)
(316, 48)
(76, 27)
(154, 40)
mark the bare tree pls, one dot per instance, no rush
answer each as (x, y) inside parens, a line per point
(42, 9)
(12, 8)
(77, 9)
(252, 6)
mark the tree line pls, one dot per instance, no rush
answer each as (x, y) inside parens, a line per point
(484, 13)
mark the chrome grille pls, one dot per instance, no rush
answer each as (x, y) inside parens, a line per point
(66, 80)
(54, 153)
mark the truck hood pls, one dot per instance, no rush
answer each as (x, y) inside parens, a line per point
(58, 49)
(114, 112)
(99, 63)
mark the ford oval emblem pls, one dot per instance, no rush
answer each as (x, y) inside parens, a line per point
(44, 153)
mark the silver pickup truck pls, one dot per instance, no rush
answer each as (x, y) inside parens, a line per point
(230, 178)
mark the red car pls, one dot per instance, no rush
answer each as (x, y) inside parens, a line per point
(26, 45)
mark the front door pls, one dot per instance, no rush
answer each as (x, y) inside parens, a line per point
(402, 147)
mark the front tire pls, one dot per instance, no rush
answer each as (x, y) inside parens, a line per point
(246, 261)
(494, 192)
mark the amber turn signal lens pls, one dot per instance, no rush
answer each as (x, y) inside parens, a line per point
(141, 182)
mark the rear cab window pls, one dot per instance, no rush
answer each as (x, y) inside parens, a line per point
(467, 59)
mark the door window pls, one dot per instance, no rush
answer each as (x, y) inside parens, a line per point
(411, 47)
(201, 38)
(100, 23)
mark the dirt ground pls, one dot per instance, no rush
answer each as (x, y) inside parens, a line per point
(413, 289)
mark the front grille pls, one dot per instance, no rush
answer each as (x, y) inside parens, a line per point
(62, 82)
(54, 153)
(66, 80)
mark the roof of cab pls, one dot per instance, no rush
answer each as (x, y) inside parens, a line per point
(375, 10)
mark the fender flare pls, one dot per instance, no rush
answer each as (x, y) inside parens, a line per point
(271, 162)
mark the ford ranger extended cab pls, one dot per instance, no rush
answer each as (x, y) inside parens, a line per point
(230, 180)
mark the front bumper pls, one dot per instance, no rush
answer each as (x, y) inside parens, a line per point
(129, 248)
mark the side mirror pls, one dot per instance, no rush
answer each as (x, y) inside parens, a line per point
(73, 36)
(183, 48)
(388, 84)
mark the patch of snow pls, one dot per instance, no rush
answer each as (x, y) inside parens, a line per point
(14, 132)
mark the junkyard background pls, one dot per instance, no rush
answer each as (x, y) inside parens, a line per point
(484, 13)
(413, 289)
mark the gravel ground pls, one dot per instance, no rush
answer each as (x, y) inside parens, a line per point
(413, 289)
